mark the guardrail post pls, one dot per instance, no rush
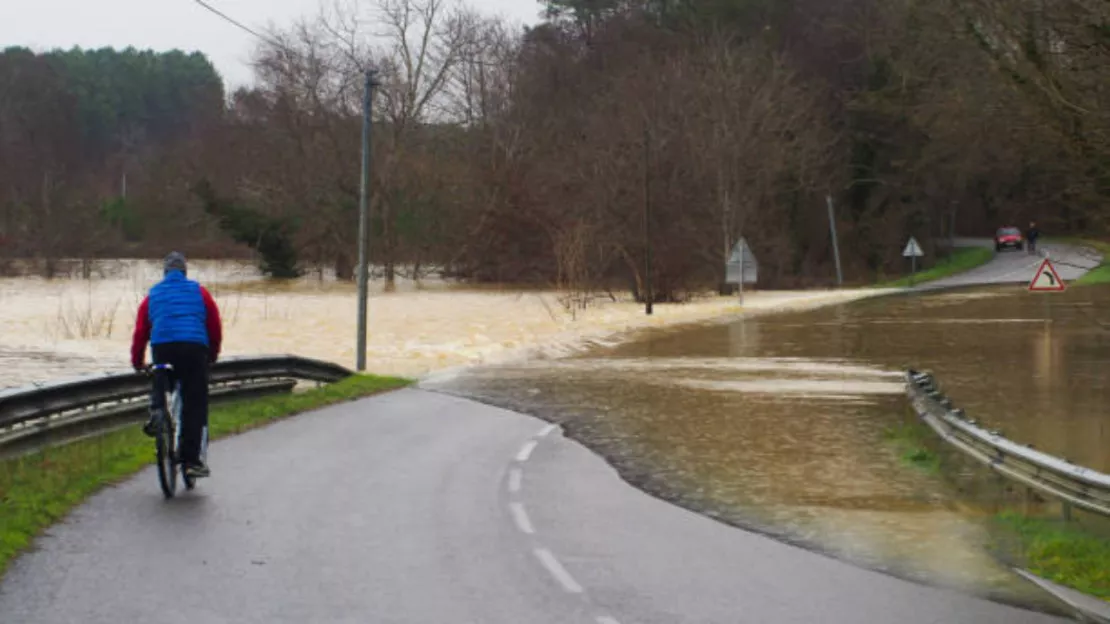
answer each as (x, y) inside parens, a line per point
(1065, 510)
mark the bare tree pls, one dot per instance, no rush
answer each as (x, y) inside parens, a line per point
(416, 45)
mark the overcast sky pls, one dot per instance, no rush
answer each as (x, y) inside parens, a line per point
(167, 24)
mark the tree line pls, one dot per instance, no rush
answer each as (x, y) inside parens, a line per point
(76, 126)
(560, 154)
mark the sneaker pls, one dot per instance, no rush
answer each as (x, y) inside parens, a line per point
(197, 470)
(153, 424)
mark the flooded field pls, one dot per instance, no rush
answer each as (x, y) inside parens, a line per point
(70, 327)
(779, 423)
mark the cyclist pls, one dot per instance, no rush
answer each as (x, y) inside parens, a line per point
(181, 321)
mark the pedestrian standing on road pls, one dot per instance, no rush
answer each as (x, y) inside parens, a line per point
(182, 323)
(1031, 236)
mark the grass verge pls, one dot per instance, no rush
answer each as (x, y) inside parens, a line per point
(909, 440)
(1061, 552)
(962, 259)
(1099, 275)
(39, 489)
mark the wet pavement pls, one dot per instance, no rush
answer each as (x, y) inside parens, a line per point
(414, 508)
(1019, 267)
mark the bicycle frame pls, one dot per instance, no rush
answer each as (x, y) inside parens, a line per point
(173, 402)
(174, 407)
(175, 414)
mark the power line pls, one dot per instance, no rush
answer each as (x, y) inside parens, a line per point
(236, 23)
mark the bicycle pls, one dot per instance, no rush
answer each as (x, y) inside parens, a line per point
(167, 437)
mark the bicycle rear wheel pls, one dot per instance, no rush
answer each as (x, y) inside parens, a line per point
(167, 457)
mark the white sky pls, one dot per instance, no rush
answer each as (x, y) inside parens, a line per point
(183, 24)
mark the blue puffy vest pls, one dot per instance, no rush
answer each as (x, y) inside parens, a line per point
(177, 312)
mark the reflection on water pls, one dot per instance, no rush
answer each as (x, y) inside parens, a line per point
(777, 423)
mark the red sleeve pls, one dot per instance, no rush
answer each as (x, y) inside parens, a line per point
(141, 335)
(212, 322)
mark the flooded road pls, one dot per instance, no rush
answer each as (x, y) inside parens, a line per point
(779, 423)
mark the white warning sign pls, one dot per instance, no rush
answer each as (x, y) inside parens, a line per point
(1047, 279)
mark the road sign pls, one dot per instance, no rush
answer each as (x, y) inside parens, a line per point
(912, 250)
(1047, 279)
(741, 261)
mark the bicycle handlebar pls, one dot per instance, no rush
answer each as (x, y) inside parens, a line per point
(150, 369)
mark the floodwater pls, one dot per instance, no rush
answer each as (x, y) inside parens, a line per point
(62, 328)
(777, 423)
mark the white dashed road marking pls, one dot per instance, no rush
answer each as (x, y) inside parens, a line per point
(526, 451)
(521, 518)
(524, 524)
(558, 571)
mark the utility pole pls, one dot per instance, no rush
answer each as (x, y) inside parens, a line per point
(740, 286)
(836, 246)
(363, 220)
(649, 296)
(363, 217)
(952, 229)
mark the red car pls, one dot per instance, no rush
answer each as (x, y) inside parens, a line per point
(1008, 237)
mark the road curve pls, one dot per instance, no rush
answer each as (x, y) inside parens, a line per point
(416, 507)
(1018, 267)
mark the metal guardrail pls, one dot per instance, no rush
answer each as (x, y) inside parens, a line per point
(98, 401)
(1072, 485)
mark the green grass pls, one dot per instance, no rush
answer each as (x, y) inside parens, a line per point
(909, 440)
(1061, 552)
(1100, 275)
(962, 259)
(39, 489)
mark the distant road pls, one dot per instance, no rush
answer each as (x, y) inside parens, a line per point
(1018, 267)
(415, 507)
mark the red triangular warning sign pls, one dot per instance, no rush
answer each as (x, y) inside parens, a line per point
(1047, 279)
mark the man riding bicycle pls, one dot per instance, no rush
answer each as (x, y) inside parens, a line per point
(181, 321)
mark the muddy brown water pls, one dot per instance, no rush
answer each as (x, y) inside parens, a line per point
(777, 423)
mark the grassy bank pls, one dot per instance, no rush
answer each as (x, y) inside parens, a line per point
(962, 259)
(1061, 552)
(909, 440)
(38, 490)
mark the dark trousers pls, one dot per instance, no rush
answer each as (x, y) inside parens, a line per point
(190, 367)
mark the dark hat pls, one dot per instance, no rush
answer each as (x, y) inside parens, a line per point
(175, 261)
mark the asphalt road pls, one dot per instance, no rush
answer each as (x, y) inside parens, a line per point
(1019, 267)
(415, 507)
